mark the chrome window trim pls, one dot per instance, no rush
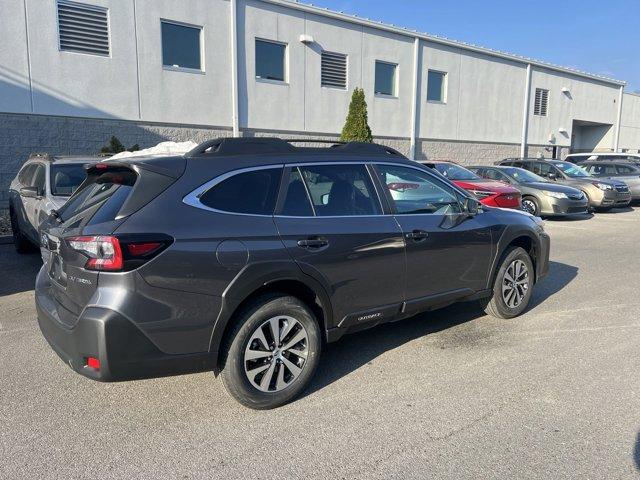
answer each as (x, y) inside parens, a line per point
(193, 199)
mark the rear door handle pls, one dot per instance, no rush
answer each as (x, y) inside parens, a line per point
(313, 243)
(417, 235)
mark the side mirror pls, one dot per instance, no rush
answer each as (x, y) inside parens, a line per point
(29, 192)
(472, 206)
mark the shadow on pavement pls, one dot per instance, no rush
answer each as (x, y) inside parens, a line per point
(573, 218)
(17, 272)
(636, 453)
(559, 276)
(354, 351)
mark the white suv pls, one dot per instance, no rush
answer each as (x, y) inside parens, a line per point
(603, 157)
(44, 183)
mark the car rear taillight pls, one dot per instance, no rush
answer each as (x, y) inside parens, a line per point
(509, 200)
(482, 193)
(113, 254)
(104, 252)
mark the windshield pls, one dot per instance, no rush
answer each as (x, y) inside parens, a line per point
(455, 172)
(65, 178)
(521, 175)
(571, 170)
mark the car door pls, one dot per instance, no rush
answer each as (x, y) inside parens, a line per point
(448, 253)
(332, 222)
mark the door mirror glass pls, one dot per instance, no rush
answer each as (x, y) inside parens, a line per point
(29, 192)
(472, 206)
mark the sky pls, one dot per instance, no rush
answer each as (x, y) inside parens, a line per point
(601, 37)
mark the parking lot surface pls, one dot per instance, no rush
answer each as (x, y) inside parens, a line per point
(450, 394)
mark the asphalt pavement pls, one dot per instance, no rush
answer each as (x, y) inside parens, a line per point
(449, 394)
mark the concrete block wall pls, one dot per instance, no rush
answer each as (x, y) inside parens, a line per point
(465, 153)
(21, 135)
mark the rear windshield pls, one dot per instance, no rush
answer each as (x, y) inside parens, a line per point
(101, 199)
(455, 172)
(65, 178)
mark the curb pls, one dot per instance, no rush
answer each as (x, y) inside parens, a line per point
(6, 239)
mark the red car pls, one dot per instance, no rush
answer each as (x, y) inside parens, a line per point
(489, 192)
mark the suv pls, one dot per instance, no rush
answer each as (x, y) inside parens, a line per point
(43, 184)
(243, 256)
(626, 172)
(603, 157)
(602, 194)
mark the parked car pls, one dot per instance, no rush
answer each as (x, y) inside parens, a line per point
(245, 254)
(539, 197)
(602, 194)
(603, 157)
(489, 192)
(44, 183)
(626, 172)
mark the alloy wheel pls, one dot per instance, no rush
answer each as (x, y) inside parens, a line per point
(515, 283)
(529, 206)
(276, 353)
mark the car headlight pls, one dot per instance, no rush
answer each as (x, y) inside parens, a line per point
(549, 193)
(603, 186)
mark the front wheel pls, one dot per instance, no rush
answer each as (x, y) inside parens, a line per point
(531, 205)
(512, 286)
(271, 354)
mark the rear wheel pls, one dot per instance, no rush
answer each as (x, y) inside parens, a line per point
(20, 241)
(272, 352)
(512, 286)
(531, 205)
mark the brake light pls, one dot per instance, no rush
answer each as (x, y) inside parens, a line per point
(104, 252)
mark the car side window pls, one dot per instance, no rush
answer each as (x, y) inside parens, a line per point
(25, 175)
(340, 190)
(416, 192)
(38, 179)
(296, 200)
(253, 192)
(543, 169)
(624, 169)
(495, 175)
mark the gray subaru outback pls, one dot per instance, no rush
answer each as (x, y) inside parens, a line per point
(244, 256)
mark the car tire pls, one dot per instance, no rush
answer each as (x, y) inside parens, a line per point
(531, 205)
(509, 300)
(276, 375)
(20, 241)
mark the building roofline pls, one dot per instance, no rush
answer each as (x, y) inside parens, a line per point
(325, 12)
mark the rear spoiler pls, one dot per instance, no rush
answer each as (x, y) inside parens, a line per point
(168, 166)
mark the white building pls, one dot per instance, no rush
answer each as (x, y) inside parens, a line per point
(74, 73)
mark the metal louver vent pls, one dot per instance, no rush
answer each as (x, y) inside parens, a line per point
(541, 102)
(333, 70)
(83, 28)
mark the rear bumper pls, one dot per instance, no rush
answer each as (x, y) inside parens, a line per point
(125, 353)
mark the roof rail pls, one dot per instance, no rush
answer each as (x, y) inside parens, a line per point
(256, 145)
(41, 155)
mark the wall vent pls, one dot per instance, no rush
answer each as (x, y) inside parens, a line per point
(83, 28)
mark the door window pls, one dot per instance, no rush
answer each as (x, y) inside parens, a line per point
(495, 175)
(296, 201)
(543, 169)
(416, 192)
(340, 190)
(626, 170)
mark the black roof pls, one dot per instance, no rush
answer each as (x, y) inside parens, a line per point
(269, 146)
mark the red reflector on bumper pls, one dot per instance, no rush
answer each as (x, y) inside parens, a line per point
(94, 363)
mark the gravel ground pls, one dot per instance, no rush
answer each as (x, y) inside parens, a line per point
(5, 224)
(553, 394)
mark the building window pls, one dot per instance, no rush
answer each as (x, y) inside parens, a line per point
(436, 86)
(271, 60)
(333, 68)
(385, 82)
(181, 46)
(83, 28)
(541, 102)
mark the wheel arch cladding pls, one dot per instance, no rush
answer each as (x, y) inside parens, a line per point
(515, 237)
(239, 294)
